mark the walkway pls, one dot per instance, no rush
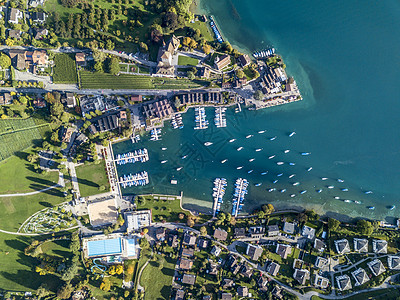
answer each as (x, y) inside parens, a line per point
(74, 180)
(139, 287)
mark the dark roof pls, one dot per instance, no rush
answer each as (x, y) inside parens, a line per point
(220, 234)
(273, 228)
(246, 271)
(202, 243)
(254, 252)
(189, 239)
(273, 268)
(227, 283)
(240, 232)
(226, 296)
(243, 291)
(38, 16)
(172, 239)
(300, 275)
(319, 245)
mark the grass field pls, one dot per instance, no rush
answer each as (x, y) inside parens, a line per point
(17, 269)
(167, 209)
(91, 177)
(187, 61)
(59, 248)
(160, 288)
(64, 70)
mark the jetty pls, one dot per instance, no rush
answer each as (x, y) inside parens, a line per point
(135, 138)
(155, 134)
(140, 155)
(138, 179)
(216, 31)
(218, 194)
(238, 196)
(176, 121)
(201, 122)
(220, 119)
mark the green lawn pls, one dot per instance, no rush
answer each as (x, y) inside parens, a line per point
(204, 30)
(167, 209)
(161, 287)
(187, 61)
(64, 70)
(59, 248)
(18, 269)
(91, 178)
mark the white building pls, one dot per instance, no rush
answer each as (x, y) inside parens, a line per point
(136, 220)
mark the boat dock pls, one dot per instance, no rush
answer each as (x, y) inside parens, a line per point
(218, 194)
(176, 121)
(137, 179)
(140, 155)
(216, 31)
(135, 138)
(201, 122)
(238, 196)
(155, 134)
(220, 119)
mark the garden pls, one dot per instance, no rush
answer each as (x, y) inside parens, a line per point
(187, 61)
(64, 70)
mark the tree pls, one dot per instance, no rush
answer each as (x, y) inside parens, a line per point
(365, 227)
(57, 109)
(240, 73)
(333, 224)
(186, 41)
(70, 272)
(261, 214)
(312, 215)
(113, 66)
(258, 95)
(145, 231)
(206, 48)
(119, 269)
(5, 61)
(144, 243)
(42, 291)
(105, 284)
(190, 75)
(65, 291)
(203, 230)
(99, 55)
(170, 20)
(110, 45)
(143, 47)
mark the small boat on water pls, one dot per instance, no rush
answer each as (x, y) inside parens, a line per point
(336, 197)
(292, 133)
(249, 136)
(371, 207)
(309, 169)
(271, 190)
(240, 148)
(232, 140)
(368, 192)
(286, 151)
(292, 175)
(207, 144)
(258, 150)
(275, 181)
(305, 153)
(261, 131)
(279, 163)
(293, 195)
(163, 149)
(251, 159)
(238, 168)
(164, 161)
(283, 190)
(292, 164)
(224, 161)
(324, 178)
(392, 207)
(183, 157)
(340, 180)
(344, 190)
(319, 191)
(180, 168)
(264, 173)
(271, 157)
(258, 184)
(330, 187)
(273, 138)
(250, 171)
(357, 202)
(347, 201)
(296, 183)
(303, 192)
(279, 175)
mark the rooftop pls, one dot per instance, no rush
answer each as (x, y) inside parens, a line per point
(360, 245)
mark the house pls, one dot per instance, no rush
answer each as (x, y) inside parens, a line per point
(104, 123)
(187, 252)
(180, 295)
(39, 17)
(204, 72)
(226, 296)
(235, 269)
(160, 233)
(207, 297)
(227, 283)
(257, 232)
(253, 251)
(172, 240)
(188, 279)
(273, 230)
(321, 262)
(246, 271)
(185, 264)
(319, 245)
(243, 291)
(39, 33)
(297, 263)
(15, 15)
(164, 70)
(70, 100)
(203, 243)
(36, 3)
(212, 268)
(231, 261)
(226, 84)
(239, 233)
(222, 61)
(376, 267)
(289, 227)
(360, 245)
(189, 239)
(14, 34)
(22, 60)
(379, 246)
(244, 60)
(262, 282)
(360, 276)
(240, 82)
(277, 292)
(273, 268)
(308, 232)
(5, 99)
(320, 282)
(216, 251)
(136, 98)
(342, 246)
(80, 59)
(271, 81)
(157, 110)
(220, 234)
(283, 250)
(343, 282)
(301, 275)
(394, 262)
(39, 103)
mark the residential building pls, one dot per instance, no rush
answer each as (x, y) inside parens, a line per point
(187, 252)
(379, 246)
(188, 279)
(283, 250)
(394, 262)
(69, 100)
(39, 103)
(277, 292)
(244, 60)
(136, 220)
(321, 282)
(254, 251)
(321, 262)
(257, 232)
(360, 245)
(35, 3)
(271, 81)
(40, 33)
(29, 60)
(213, 268)
(246, 271)
(157, 110)
(185, 264)
(14, 34)
(222, 61)
(239, 233)
(319, 245)
(189, 239)
(5, 99)
(15, 15)
(235, 269)
(196, 98)
(136, 98)
(39, 17)
(243, 291)
(227, 283)
(207, 297)
(301, 275)
(231, 261)
(360, 276)
(297, 263)
(226, 296)
(376, 267)
(104, 123)
(216, 251)
(160, 233)
(204, 72)
(342, 246)
(289, 227)
(165, 56)
(273, 268)
(203, 243)
(308, 232)
(180, 295)
(262, 282)
(172, 240)
(80, 59)
(343, 282)
(273, 230)
(220, 234)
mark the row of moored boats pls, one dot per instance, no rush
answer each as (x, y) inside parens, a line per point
(138, 179)
(220, 118)
(218, 194)
(177, 122)
(238, 195)
(200, 117)
(264, 53)
(140, 155)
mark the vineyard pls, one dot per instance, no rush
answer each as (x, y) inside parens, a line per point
(18, 134)
(64, 70)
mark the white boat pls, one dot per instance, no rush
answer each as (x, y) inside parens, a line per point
(275, 181)
(336, 197)
(273, 138)
(249, 136)
(344, 190)
(271, 157)
(271, 190)
(296, 183)
(163, 149)
(250, 171)
(368, 192)
(357, 202)
(258, 150)
(291, 176)
(207, 144)
(238, 168)
(264, 173)
(303, 192)
(309, 169)
(258, 184)
(292, 164)
(347, 201)
(279, 163)
(183, 157)
(283, 190)
(305, 153)
(251, 159)
(232, 140)
(340, 180)
(261, 131)
(371, 207)
(324, 178)
(224, 161)
(180, 168)
(240, 148)
(392, 207)
(319, 191)
(286, 151)
(164, 161)
(279, 175)
(293, 195)
(292, 134)
(330, 187)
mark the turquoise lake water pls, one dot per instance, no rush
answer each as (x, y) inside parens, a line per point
(345, 59)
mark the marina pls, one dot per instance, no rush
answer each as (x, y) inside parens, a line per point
(155, 134)
(220, 119)
(238, 195)
(218, 193)
(216, 31)
(200, 118)
(137, 179)
(140, 155)
(265, 53)
(176, 121)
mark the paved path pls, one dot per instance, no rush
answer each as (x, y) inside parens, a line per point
(31, 193)
(74, 179)
(139, 287)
